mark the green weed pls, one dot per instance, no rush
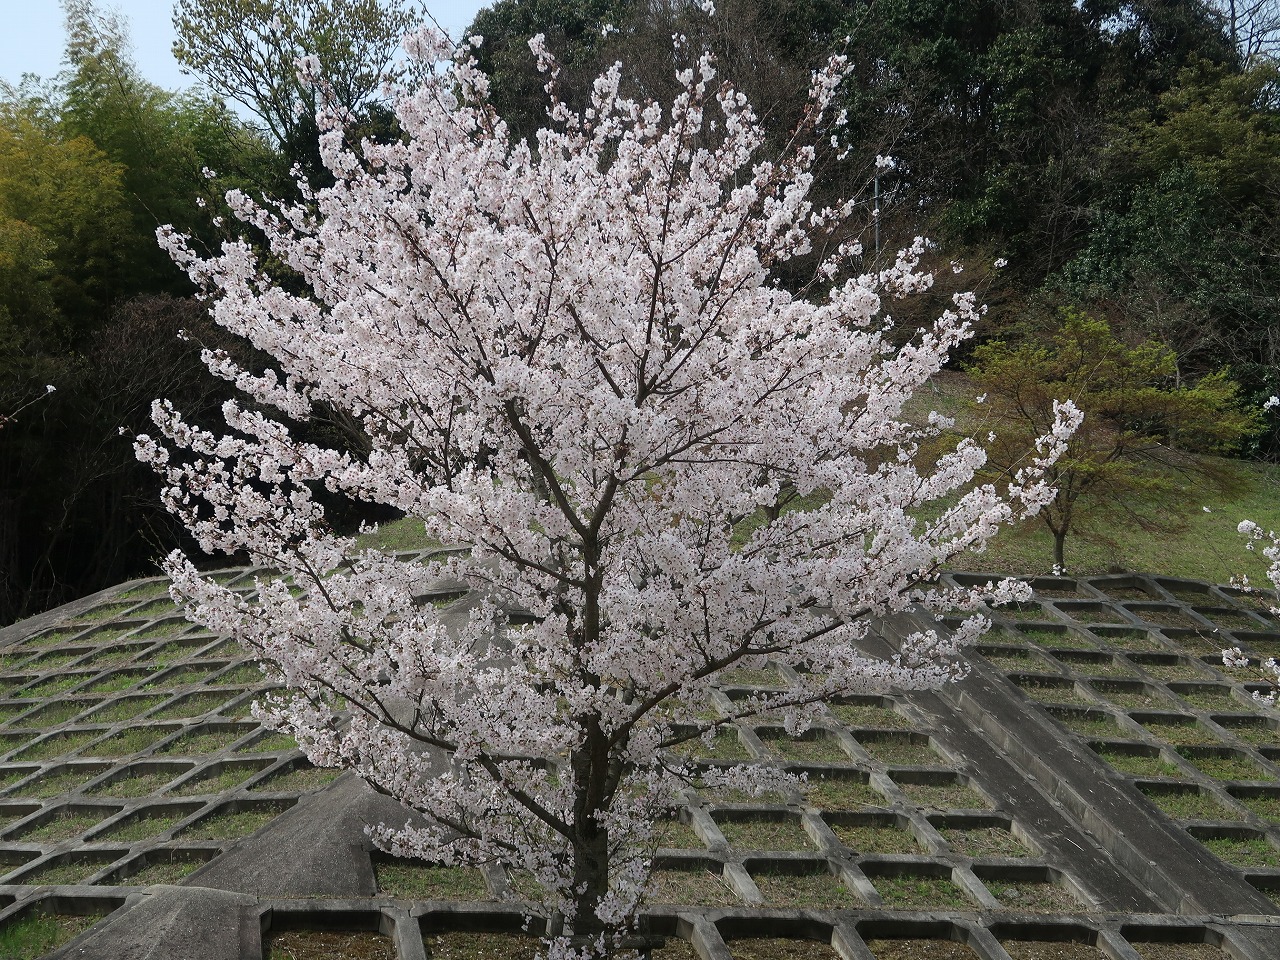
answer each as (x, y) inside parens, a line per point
(37, 934)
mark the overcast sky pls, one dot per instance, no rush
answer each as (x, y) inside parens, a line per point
(31, 35)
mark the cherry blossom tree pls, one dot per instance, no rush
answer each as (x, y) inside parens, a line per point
(572, 358)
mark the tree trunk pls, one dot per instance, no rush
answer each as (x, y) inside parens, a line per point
(1059, 554)
(590, 877)
(590, 763)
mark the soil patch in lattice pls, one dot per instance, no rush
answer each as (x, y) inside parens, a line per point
(779, 949)
(920, 950)
(1050, 950)
(327, 945)
(463, 945)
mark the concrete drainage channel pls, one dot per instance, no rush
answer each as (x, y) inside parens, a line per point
(1098, 787)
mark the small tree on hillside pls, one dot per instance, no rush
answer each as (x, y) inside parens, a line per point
(573, 360)
(1140, 432)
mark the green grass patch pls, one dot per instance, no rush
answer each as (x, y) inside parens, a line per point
(1190, 805)
(141, 828)
(673, 834)
(182, 678)
(407, 880)
(158, 631)
(227, 649)
(817, 891)
(1019, 661)
(762, 834)
(49, 639)
(57, 745)
(10, 710)
(901, 752)
(75, 870)
(724, 746)
(700, 888)
(272, 743)
(981, 842)
(199, 742)
(1132, 640)
(9, 777)
(145, 591)
(163, 871)
(913, 892)
(943, 796)
(247, 674)
(1206, 547)
(230, 826)
(139, 785)
(1243, 851)
(743, 677)
(129, 742)
(60, 827)
(227, 779)
(172, 653)
(12, 741)
(858, 715)
(126, 708)
(841, 793)
(407, 533)
(1032, 897)
(1259, 736)
(60, 712)
(1137, 699)
(57, 784)
(1264, 805)
(98, 614)
(1118, 668)
(60, 683)
(1051, 691)
(1228, 768)
(1218, 700)
(301, 779)
(1178, 672)
(113, 682)
(819, 749)
(866, 839)
(159, 608)
(1089, 725)
(193, 706)
(1140, 765)
(58, 658)
(114, 656)
(36, 934)
(1058, 639)
(1182, 734)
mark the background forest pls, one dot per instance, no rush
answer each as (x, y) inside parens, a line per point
(1123, 158)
